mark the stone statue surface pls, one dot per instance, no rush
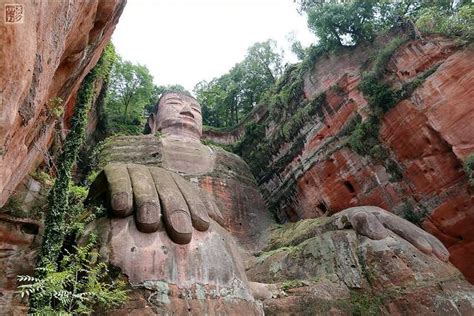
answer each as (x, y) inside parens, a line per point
(188, 218)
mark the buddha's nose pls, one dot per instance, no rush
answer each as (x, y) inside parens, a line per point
(186, 110)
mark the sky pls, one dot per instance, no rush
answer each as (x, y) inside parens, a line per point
(186, 41)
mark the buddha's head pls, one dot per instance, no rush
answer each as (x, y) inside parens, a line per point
(176, 114)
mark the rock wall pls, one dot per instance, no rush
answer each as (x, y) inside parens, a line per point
(427, 136)
(43, 61)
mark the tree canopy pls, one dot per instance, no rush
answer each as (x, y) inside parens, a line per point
(226, 99)
(347, 23)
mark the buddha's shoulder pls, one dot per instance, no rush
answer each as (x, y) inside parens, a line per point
(142, 149)
(230, 165)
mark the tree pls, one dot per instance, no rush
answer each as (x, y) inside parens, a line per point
(130, 90)
(130, 84)
(348, 23)
(345, 24)
(225, 100)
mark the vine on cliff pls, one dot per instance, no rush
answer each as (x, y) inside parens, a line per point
(58, 198)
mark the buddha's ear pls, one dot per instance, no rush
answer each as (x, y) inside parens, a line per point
(150, 126)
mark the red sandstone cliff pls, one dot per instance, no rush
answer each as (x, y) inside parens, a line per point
(428, 136)
(44, 58)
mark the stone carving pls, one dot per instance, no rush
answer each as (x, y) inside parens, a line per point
(376, 223)
(204, 269)
(154, 192)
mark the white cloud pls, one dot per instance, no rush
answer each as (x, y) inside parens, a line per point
(186, 41)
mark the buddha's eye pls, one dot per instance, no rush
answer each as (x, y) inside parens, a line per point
(197, 110)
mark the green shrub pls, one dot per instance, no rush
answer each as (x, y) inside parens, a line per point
(291, 284)
(77, 194)
(469, 169)
(384, 55)
(55, 107)
(413, 216)
(365, 136)
(378, 94)
(78, 286)
(458, 23)
(43, 177)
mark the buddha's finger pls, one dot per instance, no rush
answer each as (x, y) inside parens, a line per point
(439, 249)
(147, 204)
(368, 225)
(173, 207)
(408, 231)
(197, 208)
(119, 189)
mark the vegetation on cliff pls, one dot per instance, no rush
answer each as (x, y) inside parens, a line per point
(61, 284)
(272, 144)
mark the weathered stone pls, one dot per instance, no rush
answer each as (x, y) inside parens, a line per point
(203, 274)
(43, 58)
(341, 272)
(427, 137)
(19, 242)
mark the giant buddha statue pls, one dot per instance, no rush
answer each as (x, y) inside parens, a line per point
(191, 232)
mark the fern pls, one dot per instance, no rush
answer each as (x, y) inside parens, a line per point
(78, 285)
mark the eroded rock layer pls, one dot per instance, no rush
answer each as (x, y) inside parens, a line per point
(426, 136)
(43, 61)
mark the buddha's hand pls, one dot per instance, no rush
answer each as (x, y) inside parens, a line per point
(376, 223)
(152, 193)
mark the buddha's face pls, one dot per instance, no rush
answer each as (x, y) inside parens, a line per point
(179, 114)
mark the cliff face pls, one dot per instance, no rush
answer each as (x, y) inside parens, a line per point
(43, 61)
(426, 136)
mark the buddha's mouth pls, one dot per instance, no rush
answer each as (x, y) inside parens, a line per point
(187, 114)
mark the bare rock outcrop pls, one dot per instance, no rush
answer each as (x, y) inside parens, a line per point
(43, 61)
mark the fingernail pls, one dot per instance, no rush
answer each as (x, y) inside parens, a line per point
(149, 213)
(120, 203)
(424, 246)
(181, 222)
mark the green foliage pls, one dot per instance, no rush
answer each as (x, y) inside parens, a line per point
(344, 24)
(130, 91)
(364, 304)
(258, 151)
(384, 55)
(379, 95)
(447, 21)
(58, 198)
(43, 177)
(77, 194)
(225, 100)
(365, 136)
(91, 177)
(108, 59)
(413, 216)
(312, 53)
(349, 23)
(88, 160)
(78, 286)
(55, 107)
(291, 284)
(469, 169)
